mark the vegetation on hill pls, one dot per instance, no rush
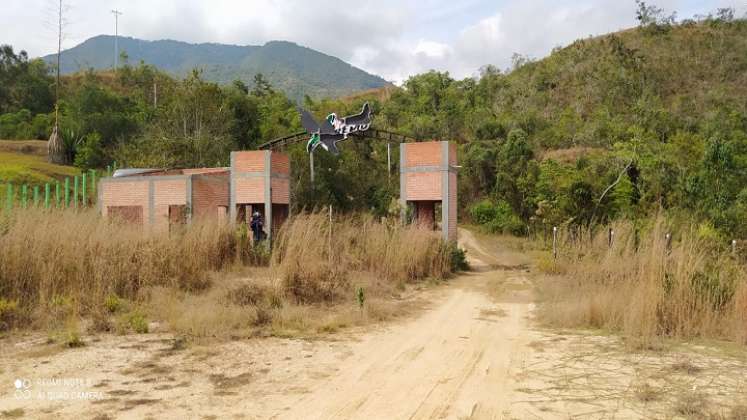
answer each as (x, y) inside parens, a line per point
(295, 70)
(611, 127)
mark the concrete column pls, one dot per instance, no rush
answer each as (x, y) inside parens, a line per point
(402, 184)
(445, 189)
(189, 199)
(268, 194)
(151, 203)
(232, 191)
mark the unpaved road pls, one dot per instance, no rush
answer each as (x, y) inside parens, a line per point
(473, 353)
(458, 360)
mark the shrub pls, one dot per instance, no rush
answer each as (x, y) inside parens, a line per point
(457, 257)
(483, 212)
(497, 217)
(9, 313)
(134, 321)
(69, 336)
(113, 303)
(90, 153)
(247, 294)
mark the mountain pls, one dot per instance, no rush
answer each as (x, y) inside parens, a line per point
(294, 69)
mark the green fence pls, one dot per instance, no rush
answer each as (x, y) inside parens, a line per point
(72, 192)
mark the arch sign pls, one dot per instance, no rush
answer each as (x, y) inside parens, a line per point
(334, 129)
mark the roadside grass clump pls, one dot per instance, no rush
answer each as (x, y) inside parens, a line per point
(67, 332)
(207, 315)
(113, 303)
(9, 314)
(84, 259)
(647, 286)
(138, 323)
(314, 258)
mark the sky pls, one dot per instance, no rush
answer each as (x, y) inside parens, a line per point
(390, 38)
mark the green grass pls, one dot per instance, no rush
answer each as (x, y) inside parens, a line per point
(31, 169)
(20, 168)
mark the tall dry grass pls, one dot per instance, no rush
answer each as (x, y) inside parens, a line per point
(646, 288)
(314, 258)
(316, 268)
(79, 258)
(57, 266)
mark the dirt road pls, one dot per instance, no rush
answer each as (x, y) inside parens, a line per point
(458, 360)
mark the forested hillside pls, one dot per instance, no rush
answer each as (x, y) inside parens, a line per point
(295, 70)
(620, 125)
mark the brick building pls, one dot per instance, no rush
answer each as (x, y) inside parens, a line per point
(259, 181)
(256, 181)
(428, 184)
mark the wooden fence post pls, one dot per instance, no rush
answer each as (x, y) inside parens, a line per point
(555, 242)
(611, 238)
(329, 240)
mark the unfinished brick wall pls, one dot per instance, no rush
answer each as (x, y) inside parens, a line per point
(427, 175)
(210, 195)
(260, 178)
(452, 214)
(123, 194)
(166, 193)
(280, 163)
(423, 186)
(169, 198)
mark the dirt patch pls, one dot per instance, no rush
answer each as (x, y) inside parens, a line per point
(221, 382)
(586, 373)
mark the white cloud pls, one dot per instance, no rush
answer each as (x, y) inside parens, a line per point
(392, 38)
(432, 49)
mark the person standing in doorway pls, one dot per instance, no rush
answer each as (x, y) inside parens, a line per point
(256, 225)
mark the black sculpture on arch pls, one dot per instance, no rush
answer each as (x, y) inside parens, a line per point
(334, 129)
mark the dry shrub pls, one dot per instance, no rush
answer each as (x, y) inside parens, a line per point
(314, 258)
(207, 315)
(81, 258)
(645, 289)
